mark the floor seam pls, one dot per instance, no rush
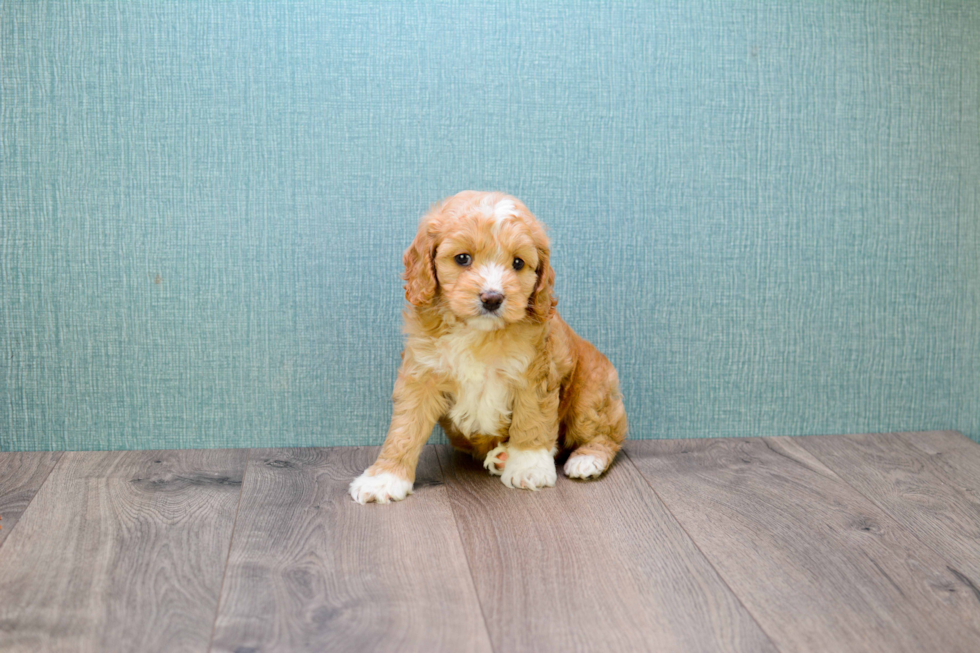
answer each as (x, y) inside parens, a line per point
(459, 535)
(61, 456)
(721, 578)
(888, 513)
(231, 543)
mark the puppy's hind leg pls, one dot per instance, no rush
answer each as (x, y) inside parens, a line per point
(496, 460)
(596, 434)
(457, 440)
(485, 448)
(591, 460)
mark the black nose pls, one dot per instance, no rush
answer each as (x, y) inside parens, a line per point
(491, 300)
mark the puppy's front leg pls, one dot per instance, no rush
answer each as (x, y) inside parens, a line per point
(533, 443)
(418, 404)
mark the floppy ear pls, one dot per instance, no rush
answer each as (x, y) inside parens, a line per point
(542, 302)
(420, 268)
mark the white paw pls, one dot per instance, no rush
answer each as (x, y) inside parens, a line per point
(583, 466)
(493, 459)
(531, 469)
(383, 487)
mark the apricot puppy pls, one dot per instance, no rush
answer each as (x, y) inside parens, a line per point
(488, 357)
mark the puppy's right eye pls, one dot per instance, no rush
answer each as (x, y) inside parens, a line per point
(463, 259)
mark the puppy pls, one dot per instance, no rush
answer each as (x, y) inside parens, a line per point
(488, 357)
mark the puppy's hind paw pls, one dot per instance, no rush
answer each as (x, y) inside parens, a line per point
(381, 488)
(584, 466)
(496, 460)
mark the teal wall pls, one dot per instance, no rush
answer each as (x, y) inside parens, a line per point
(765, 213)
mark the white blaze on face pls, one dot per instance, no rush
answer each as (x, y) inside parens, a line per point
(485, 208)
(505, 208)
(503, 211)
(493, 277)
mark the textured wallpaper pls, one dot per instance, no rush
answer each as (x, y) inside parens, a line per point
(765, 213)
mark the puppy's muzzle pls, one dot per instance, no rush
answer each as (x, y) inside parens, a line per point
(491, 300)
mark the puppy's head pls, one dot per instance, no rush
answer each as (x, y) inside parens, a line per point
(485, 258)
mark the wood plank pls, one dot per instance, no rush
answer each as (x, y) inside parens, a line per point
(951, 456)
(21, 476)
(914, 487)
(590, 566)
(312, 570)
(121, 551)
(817, 564)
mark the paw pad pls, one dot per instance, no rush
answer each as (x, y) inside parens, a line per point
(495, 462)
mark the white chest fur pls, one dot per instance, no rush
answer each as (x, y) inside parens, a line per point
(485, 370)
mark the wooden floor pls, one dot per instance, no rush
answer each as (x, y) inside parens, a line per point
(831, 543)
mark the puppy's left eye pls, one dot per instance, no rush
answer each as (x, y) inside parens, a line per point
(518, 264)
(463, 259)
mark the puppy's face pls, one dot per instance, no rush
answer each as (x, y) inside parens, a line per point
(486, 257)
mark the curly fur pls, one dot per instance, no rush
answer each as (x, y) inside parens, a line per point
(516, 377)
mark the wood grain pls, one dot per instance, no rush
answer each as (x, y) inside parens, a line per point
(951, 456)
(21, 476)
(590, 566)
(310, 570)
(121, 551)
(817, 564)
(915, 488)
